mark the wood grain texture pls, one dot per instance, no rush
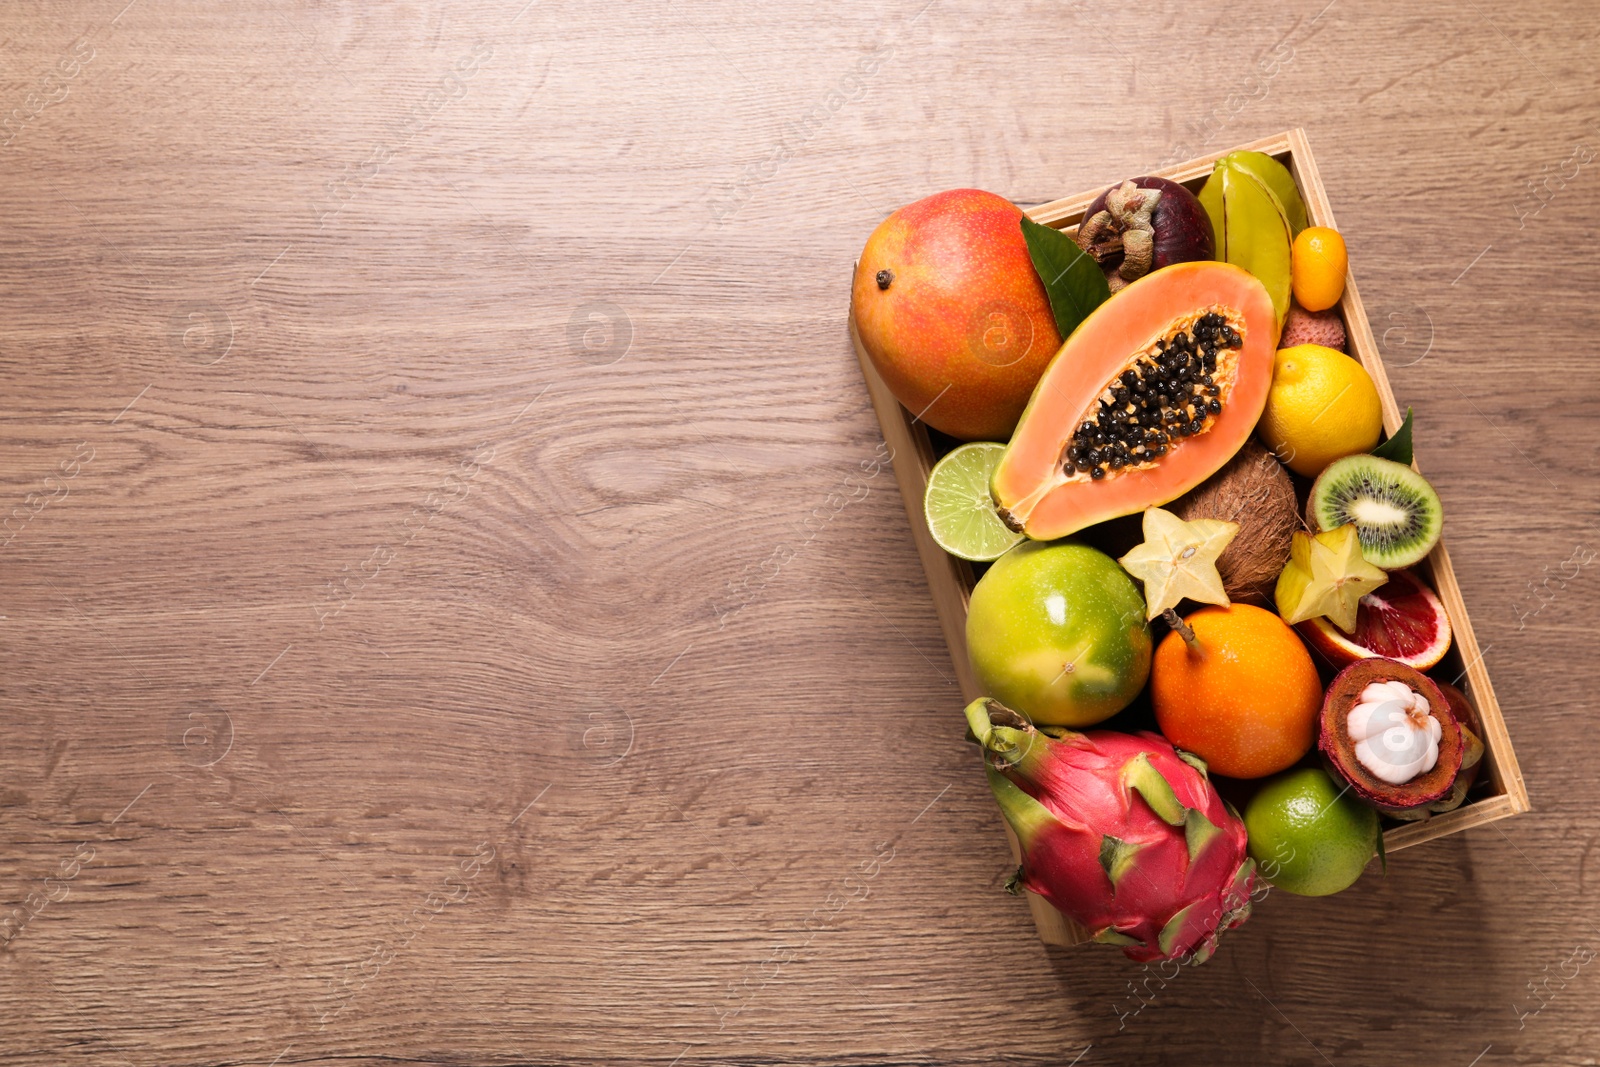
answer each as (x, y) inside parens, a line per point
(418, 412)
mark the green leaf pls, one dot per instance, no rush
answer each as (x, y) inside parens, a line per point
(1194, 761)
(1111, 936)
(1168, 939)
(1140, 774)
(1198, 832)
(1116, 857)
(1072, 278)
(1398, 446)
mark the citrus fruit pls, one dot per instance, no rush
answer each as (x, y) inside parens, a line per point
(1322, 406)
(1246, 701)
(958, 508)
(1307, 835)
(1401, 621)
(1317, 267)
(1056, 631)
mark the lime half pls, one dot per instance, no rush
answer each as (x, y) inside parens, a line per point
(958, 508)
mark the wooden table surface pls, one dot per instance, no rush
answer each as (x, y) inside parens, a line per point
(455, 609)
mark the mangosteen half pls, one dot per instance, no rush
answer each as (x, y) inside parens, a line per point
(1388, 730)
(1142, 225)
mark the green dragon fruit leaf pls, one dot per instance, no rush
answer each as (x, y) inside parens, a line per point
(1002, 733)
(1174, 928)
(1112, 936)
(1203, 951)
(1143, 778)
(1198, 832)
(1241, 877)
(1194, 761)
(1026, 816)
(1116, 856)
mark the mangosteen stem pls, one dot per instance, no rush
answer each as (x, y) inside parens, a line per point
(1090, 229)
(1183, 629)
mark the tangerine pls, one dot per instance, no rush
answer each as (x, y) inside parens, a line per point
(1247, 700)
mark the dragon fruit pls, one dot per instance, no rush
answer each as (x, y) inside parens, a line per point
(1121, 832)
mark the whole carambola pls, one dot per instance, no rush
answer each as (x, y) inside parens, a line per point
(1120, 832)
(1252, 228)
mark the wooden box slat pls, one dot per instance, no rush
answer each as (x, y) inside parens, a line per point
(1500, 791)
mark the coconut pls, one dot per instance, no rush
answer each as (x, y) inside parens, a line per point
(1254, 491)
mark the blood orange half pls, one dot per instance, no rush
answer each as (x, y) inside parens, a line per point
(1401, 620)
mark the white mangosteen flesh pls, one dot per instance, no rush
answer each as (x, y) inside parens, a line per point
(1395, 733)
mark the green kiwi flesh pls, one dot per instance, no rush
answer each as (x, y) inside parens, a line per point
(1396, 512)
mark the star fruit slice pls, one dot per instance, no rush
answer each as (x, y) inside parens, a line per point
(1179, 559)
(1326, 576)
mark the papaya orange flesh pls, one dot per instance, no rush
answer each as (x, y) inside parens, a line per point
(1129, 414)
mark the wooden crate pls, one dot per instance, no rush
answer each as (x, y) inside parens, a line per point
(1499, 791)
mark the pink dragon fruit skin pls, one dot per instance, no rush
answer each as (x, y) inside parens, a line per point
(1120, 832)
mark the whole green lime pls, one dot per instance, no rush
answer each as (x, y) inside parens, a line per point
(1056, 630)
(1308, 835)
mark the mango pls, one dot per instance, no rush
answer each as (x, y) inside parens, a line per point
(947, 305)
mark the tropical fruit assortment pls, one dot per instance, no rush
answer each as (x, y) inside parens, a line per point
(1193, 535)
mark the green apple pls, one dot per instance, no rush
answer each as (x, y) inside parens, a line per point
(1056, 630)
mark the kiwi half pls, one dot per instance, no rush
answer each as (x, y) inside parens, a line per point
(1396, 512)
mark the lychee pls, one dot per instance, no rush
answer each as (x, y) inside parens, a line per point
(1302, 327)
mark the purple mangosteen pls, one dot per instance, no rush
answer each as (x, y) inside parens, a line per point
(1142, 225)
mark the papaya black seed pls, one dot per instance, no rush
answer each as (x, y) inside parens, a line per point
(1167, 394)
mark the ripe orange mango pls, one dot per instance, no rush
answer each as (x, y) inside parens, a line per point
(948, 306)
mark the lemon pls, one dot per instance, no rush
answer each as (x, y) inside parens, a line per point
(1309, 836)
(1322, 407)
(958, 508)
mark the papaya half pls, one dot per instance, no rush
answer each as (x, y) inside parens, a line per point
(1152, 394)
